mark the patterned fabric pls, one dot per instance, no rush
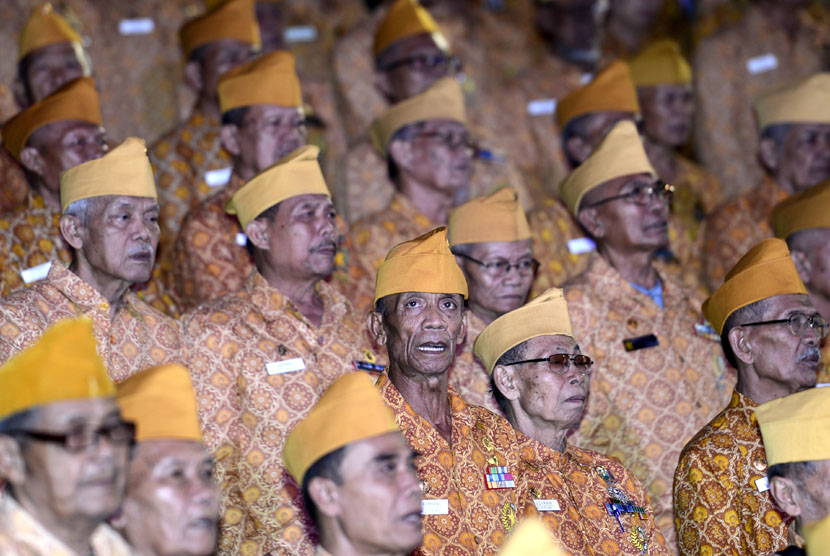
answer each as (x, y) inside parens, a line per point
(468, 376)
(137, 337)
(718, 507)
(702, 183)
(22, 535)
(824, 369)
(248, 401)
(645, 404)
(13, 186)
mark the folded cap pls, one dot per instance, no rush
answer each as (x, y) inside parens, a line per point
(297, 174)
(660, 63)
(443, 100)
(817, 537)
(803, 211)
(424, 264)
(162, 403)
(233, 19)
(611, 90)
(495, 217)
(406, 18)
(765, 271)
(269, 79)
(530, 538)
(125, 170)
(796, 427)
(803, 101)
(43, 28)
(63, 364)
(76, 100)
(621, 153)
(350, 410)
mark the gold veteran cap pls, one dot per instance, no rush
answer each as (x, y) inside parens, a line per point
(43, 28)
(125, 170)
(296, 174)
(443, 100)
(63, 364)
(765, 271)
(495, 217)
(350, 410)
(424, 264)
(233, 19)
(269, 79)
(621, 153)
(796, 427)
(530, 538)
(162, 403)
(77, 100)
(817, 537)
(611, 90)
(803, 211)
(660, 63)
(406, 18)
(804, 101)
(545, 315)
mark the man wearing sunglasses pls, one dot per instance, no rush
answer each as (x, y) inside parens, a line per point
(64, 448)
(770, 332)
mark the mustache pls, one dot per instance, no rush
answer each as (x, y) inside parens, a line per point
(809, 353)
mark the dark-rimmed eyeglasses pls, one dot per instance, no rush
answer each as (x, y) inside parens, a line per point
(525, 266)
(799, 324)
(560, 362)
(642, 194)
(450, 140)
(427, 62)
(78, 440)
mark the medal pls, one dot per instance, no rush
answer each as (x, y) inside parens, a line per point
(618, 501)
(508, 516)
(499, 477)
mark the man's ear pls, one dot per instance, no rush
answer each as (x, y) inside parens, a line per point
(802, 265)
(783, 491)
(462, 333)
(741, 347)
(12, 465)
(768, 153)
(31, 160)
(230, 139)
(401, 153)
(193, 75)
(258, 233)
(505, 379)
(383, 84)
(374, 322)
(71, 231)
(326, 496)
(577, 149)
(589, 220)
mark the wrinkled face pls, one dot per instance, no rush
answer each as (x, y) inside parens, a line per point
(813, 493)
(640, 14)
(591, 131)
(667, 113)
(412, 67)
(819, 257)
(217, 58)
(172, 503)
(804, 158)
(63, 145)
(269, 133)
(270, 20)
(493, 292)
(51, 67)
(570, 27)
(440, 155)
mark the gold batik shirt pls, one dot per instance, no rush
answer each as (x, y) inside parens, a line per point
(468, 376)
(13, 185)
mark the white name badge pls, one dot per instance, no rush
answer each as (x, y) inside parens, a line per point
(541, 107)
(241, 239)
(549, 505)
(35, 273)
(218, 178)
(137, 26)
(581, 245)
(300, 33)
(287, 366)
(762, 63)
(762, 484)
(438, 506)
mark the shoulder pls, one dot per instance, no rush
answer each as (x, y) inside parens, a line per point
(219, 312)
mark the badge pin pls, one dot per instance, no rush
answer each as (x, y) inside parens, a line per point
(638, 539)
(499, 477)
(508, 516)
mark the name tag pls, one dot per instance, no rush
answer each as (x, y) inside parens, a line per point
(287, 366)
(241, 239)
(581, 245)
(300, 33)
(762, 484)
(586, 78)
(761, 64)
(137, 26)
(218, 178)
(35, 273)
(547, 505)
(541, 107)
(640, 342)
(438, 506)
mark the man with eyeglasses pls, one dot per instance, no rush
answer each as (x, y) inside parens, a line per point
(660, 374)
(540, 379)
(64, 448)
(770, 332)
(490, 239)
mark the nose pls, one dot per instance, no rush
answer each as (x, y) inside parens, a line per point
(410, 484)
(433, 317)
(205, 493)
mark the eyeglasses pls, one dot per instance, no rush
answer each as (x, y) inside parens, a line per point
(560, 362)
(642, 194)
(452, 141)
(799, 323)
(427, 62)
(502, 267)
(78, 440)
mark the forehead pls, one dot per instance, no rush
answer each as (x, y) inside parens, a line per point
(556, 343)
(614, 186)
(500, 249)
(362, 452)
(313, 200)
(50, 52)
(448, 126)
(782, 304)
(114, 202)
(665, 89)
(267, 111)
(215, 49)
(156, 451)
(418, 44)
(75, 411)
(799, 128)
(56, 131)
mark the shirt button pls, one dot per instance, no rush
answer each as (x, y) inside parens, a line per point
(632, 323)
(478, 540)
(104, 306)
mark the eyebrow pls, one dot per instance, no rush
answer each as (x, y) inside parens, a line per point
(384, 457)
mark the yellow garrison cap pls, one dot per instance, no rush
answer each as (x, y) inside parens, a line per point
(162, 403)
(545, 315)
(424, 264)
(43, 28)
(802, 101)
(495, 217)
(530, 538)
(233, 19)
(765, 271)
(406, 18)
(125, 170)
(611, 89)
(443, 100)
(817, 537)
(350, 410)
(803, 211)
(621, 153)
(63, 364)
(796, 427)
(77, 100)
(296, 174)
(660, 63)
(269, 79)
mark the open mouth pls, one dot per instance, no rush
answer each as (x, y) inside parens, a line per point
(576, 399)
(203, 523)
(413, 518)
(660, 226)
(811, 357)
(328, 248)
(433, 347)
(141, 256)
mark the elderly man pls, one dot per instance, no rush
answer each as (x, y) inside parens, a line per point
(263, 121)
(490, 239)
(261, 356)
(171, 504)
(357, 473)
(540, 378)
(110, 223)
(770, 332)
(468, 457)
(794, 124)
(63, 448)
(661, 375)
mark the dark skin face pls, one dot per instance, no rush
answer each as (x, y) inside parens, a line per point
(51, 67)
(438, 155)
(596, 127)
(270, 20)
(803, 160)
(569, 26)
(667, 113)
(407, 80)
(640, 14)
(218, 57)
